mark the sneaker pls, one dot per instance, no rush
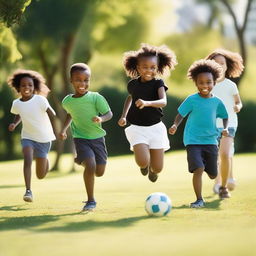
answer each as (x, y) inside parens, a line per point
(216, 188)
(89, 205)
(231, 184)
(199, 203)
(152, 176)
(28, 197)
(224, 193)
(144, 171)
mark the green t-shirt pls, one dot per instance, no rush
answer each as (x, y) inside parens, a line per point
(82, 110)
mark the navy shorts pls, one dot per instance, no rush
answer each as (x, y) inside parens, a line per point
(94, 148)
(203, 156)
(40, 150)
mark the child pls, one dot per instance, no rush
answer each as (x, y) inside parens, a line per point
(86, 111)
(226, 90)
(147, 135)
(33, 110)
(200, 134)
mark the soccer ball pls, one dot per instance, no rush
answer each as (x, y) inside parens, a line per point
(158, 204)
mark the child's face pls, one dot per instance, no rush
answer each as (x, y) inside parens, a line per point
(26, 87)
(205, 83)
(221, 60)
(80, 81)
(147, 68)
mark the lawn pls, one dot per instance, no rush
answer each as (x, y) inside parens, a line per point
(54, 225)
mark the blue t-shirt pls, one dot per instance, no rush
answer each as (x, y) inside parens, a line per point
(202, 113)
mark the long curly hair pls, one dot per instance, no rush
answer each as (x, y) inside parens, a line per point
(204, 66)
(38, 80)
(166, 59)
(234, 62)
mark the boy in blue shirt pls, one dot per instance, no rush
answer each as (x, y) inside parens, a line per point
(201, 134)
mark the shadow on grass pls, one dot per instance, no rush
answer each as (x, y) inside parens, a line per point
(10, 186)
(12, 208)
(93, 225)
(213, 205)
(31, 222)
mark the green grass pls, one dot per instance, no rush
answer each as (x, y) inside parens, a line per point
(54, 225)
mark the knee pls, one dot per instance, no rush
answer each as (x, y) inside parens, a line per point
(212, 177)
(225, 156)
(40, 176)
(99, 174)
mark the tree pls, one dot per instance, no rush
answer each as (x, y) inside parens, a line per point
(240, 29)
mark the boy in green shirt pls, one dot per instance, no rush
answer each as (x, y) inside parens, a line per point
(86, 111)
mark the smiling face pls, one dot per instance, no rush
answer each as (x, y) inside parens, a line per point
(147, 68)
(26, 88)
(205, 82)
(80, 80)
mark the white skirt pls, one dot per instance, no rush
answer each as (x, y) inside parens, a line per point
(155, 136)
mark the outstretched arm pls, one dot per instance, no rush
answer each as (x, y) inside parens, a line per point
(127, 105)
(103, 118)
(178, 119)
(63, 133)
(154, 103)
(15, 123)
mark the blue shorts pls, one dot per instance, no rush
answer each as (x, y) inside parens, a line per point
(203, 156)
(231, 132)
(94, 148)
(40, 150)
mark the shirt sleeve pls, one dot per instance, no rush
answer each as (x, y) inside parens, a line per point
(14, 110)
(221, 111)
(160, 83)
(46, 105)
(185, 107)
(102, 105)
(234, 89)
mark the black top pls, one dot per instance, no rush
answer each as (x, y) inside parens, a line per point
(146, 91)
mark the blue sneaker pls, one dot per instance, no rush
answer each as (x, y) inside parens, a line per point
(199, 203)
(89, 206)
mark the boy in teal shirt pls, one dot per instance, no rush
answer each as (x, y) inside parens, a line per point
(201, 134)
(86, 111)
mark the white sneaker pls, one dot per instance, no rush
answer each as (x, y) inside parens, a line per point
(199, 203)
(216, 188)
(28, 197)
(231, 184)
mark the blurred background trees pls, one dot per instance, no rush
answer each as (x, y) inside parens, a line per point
(49, 36)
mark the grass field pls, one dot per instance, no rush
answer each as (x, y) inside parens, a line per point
(54, 225)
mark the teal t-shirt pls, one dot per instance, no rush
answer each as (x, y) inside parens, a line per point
(82, 110)
(201, 123)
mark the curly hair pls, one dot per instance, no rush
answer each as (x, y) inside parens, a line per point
(234, 62)
(79, 67)
(204, 66)
(166, 59)
(38, 80)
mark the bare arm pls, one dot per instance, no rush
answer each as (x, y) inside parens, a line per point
(238, 103)
(127, 105)
(103, 118)
(63, 133)
(15, 123)
(154, 103)
(225, 127)
(177, 121)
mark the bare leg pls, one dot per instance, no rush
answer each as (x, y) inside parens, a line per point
(89, 173)
(28, 158)
(156, 160)
(42, 167)
(142, 155)
(197, 182)
(100, 170)
(225, 159)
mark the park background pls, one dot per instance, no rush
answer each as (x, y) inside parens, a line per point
(48, 36)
